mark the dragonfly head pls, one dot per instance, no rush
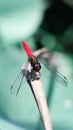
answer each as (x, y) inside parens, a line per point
(35, 63)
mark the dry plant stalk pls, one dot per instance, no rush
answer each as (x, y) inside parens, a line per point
(38, 92)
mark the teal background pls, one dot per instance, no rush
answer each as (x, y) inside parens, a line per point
(27, 20)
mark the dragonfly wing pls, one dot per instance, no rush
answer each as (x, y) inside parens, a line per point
(16, 85)
(45, 55)
(59, 77)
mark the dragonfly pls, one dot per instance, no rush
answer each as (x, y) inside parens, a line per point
(31, 69)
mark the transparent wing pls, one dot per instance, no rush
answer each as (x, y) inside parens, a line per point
(59, 77)
(45, 57)
(16, 85)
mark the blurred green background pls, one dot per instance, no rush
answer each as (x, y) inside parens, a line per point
(41, 23)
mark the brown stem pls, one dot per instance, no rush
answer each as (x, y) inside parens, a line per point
(37, 90)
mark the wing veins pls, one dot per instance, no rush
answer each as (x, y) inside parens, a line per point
(59, 76)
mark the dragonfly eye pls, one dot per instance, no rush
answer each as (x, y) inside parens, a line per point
(36, 67)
